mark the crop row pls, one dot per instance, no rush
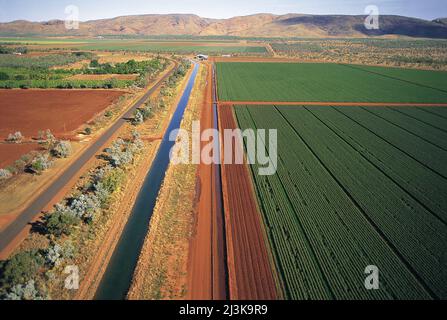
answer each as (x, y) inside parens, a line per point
(330, 210)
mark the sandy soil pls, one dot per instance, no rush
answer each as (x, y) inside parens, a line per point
(61, 111)
(251, 273)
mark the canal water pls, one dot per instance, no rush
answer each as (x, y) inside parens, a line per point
(117, 278)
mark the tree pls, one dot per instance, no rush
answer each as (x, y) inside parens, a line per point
(62, 149)
(40, 163)
(21, 268)
(85, 206)
(4, 174)
(54, 255)
(61, 222)
(46, 138)
(26, 291)
(138, 118)
(4, 76)
(94, 64)
(16, 137)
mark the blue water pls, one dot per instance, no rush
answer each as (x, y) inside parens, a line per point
(118, 276)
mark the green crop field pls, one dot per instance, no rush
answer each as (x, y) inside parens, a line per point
(180, 49)
(432, 79)
(356, 187)
(317, 82)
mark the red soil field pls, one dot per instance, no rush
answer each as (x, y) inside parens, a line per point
(61, 111)
(250, 270)
(12, 152)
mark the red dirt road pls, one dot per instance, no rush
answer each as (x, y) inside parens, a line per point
(331, 104)
(206, 265)
(61, 111)
(249, 267)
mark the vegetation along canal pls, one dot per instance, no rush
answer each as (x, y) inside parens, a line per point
(118, 276)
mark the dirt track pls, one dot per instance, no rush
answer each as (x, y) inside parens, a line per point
(332, 104)
(249, 267)
(206, 266)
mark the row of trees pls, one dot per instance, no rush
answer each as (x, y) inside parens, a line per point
(25, 274)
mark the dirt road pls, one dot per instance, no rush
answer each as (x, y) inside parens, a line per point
(207, 265)
(15, 230)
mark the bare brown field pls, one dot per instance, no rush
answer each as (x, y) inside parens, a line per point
(250, 271)
(10, 152)
(61, 111)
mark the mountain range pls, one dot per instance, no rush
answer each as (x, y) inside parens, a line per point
(258, 25)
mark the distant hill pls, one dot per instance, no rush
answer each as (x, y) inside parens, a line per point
(441, 21)
(259, 25)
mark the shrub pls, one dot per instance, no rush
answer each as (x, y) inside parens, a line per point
(46, 139)
(86, 206)
(62, 149)
(16, 137)
(54, 255)
(4, 76)
(21, 268)
(103, 194)
(112, 180)
(12, 169)
(138, 118)
(88, 131)
(61, 222)
(26, 291)
(20, 165)
(5, 174)
(40, 163)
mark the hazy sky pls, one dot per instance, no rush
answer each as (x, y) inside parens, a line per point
(41, 10)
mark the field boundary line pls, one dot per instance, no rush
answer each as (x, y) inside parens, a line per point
(330, 104)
